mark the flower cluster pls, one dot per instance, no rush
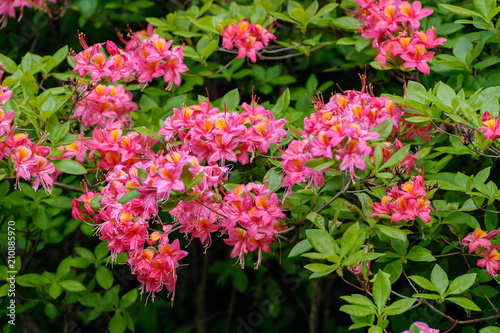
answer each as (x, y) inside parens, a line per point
(253, 216)
(219, 136)
(405, 204)
(250, 214)
(248, 38)
(399, 21)
(30, 159)
(105, 103)
(8, 8)
(491, 126)
(115, 147)
(148, 57)
(490, 254)
(340, 130)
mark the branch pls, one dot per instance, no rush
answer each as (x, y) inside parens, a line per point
(344, 190)
(462, 322)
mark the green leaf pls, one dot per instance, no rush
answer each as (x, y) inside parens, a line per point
(55, 290)
(31, 280)
(461, 217)
(79, 262)
(460, 10)
(298, 14)
(356, 310)
(391, 232)
(209, 49)
(423, 282)
(128, 299)
(381, 289)
(346, 23)
(399, 307)
(8, 64)
(231, 100)
(487, 63)
(73, 286)
(484, 7)
(317, 219)
(316, 161)
(282, 103)
(50, 310)
(418, 253)
(104, 277)
(69, 167)
(148, 132)
(464, 302)
(325, 10)
(40, 218)
(64, 268)
(358, 299)
(60, 55)
(95, 203)
(324, 165)
(427, 296)
(87, 8)
(375, 329)
(378, 157)
(101, 251)
(397, 157)
(321, 268)
(439, 279)
(196, 180)
(461, 49)
(384, 129)
(491, 219)
(59, 202)
(321, 241)
(85, 253)
(349, 239)
(129, 196)
(461, 284)
(490, 329)
(117, 324)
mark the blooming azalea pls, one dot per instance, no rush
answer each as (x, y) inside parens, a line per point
(491, 126)
(479, 238)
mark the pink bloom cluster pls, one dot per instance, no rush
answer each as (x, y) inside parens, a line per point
(399, 21)
(248, 38)
(30, 159)
(253, 216)
(8, 8)
(219, 136)
(423, 328)
(405, 204)
(145, 57)
(491, 257)
(491, 126)
(105, 103)
(115, 147)
(340, 129)
(207, 134)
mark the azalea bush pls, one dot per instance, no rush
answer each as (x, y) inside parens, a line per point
(160, 151)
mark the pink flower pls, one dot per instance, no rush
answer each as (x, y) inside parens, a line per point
(429, 39)
(248, 47)
(479, 238)
(413, 13)
(418, 58)
(491, 261)
(491, 126)
(423, 328)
